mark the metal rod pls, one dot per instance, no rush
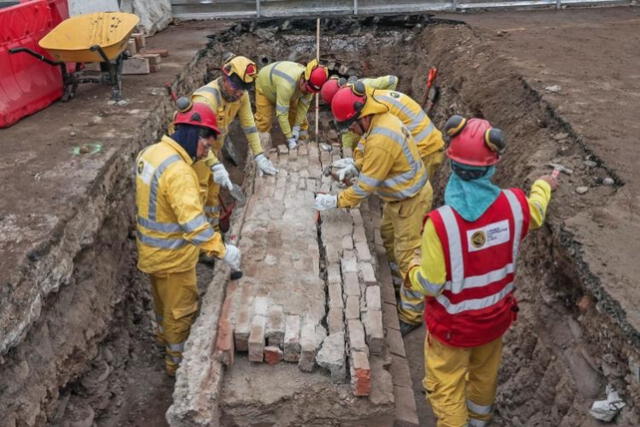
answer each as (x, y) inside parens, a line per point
(355, 7)
(558, 4)
(317, 59)
(258, 8)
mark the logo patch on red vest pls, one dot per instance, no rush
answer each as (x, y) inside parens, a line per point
(488, 236)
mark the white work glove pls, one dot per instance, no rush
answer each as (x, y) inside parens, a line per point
(347, 173)
(295, 131)
(324, 202)
(221, 176)
(343, 163)
(292, 143)
(232, 257)
(265, 165)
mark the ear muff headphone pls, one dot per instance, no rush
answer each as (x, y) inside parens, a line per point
(359, 88)
(493, 137)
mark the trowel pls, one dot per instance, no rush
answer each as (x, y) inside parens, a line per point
(237, 193)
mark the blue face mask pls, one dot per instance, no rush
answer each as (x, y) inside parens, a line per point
(187, 136)
(471, 198)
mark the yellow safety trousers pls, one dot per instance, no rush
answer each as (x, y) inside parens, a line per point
(400, 231)
(266, 110)
(461, 381)
(175, 301)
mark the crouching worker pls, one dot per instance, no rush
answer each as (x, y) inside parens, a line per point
(172, 226)
(470, 248)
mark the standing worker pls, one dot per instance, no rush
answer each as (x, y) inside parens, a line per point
(430, 148)
(386, 162)
(287, 87)
(228, 97)
(331, 86)
(172, 227)
(467, 272)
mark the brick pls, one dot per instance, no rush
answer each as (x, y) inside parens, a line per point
(373, 298)
(256, 339)
(331, 356)
(360, 373)
(352, 309)
(283, 149)
(405, 412)
(224, 342)
(368, 274)
(140, 39)
(395, 342)
(292, 338)
(131, 48)
(400, 371)
(348, 262)
(364, 254)
(154, 58)
(275, 326)
(351, 284)
(162, 52)
(374, 329)
(388, 292)
(272, 355)
(302, 150)
(390, 316)
(135, 65)
(356, 336)
(333, 274)
(261, 306)
(307, 346)
(347, 243)
(359, 236)
(335, 320)
(335, 296)
(242, 323)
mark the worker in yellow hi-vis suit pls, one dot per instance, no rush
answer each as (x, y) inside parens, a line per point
(287, 87)
(172, 227)
(470, 248)
(329, 89)
(228, 96)
(387, 162)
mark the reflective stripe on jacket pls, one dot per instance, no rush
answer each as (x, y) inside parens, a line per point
(426, 136)
(389, 82)
(388, 161)
(171, 223)
(226, 112)
(278, 82)
(477, 304)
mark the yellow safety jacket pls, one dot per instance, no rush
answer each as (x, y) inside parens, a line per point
(226, 112)
(432, 269)
(350, 139)
(389, 82)
(278, 82)
(388, 161)
(426, 136)
(171, 224)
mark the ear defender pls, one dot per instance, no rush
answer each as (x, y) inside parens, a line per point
(454, 125)
(342, 82)
(359, 88)
(494, 139)
(183, 104)
(358, 106)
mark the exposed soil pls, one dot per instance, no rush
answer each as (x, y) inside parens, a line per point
(578, 324)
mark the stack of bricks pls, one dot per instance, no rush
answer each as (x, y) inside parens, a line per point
(277, 308)
(352, 286)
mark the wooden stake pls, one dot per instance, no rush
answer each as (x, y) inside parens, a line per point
(318, 59)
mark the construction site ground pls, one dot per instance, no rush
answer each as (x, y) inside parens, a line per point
(565, 87)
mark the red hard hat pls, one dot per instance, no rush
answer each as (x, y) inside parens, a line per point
(474, 142)
(199, 114)
(317, 78)
(329, 89)
(346, 105)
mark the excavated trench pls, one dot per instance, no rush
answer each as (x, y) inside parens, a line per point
(570, 340)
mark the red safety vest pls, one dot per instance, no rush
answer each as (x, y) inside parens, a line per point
(477, 304)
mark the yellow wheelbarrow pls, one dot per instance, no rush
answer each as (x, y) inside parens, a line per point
(96, 37)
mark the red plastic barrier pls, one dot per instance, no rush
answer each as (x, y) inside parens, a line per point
(27, 84)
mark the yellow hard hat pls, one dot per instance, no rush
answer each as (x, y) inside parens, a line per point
(315, 76)
(241, 70)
